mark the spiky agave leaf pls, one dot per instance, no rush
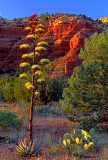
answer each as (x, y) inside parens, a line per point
(28, 148)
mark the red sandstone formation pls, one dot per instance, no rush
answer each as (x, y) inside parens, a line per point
(64, 35)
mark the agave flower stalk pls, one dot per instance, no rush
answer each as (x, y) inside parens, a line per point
(34, 30)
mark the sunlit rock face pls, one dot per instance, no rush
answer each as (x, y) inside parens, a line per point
(65, 37)
(104, 20)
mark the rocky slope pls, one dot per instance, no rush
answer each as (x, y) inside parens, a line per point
(104, 20)
(64, 34)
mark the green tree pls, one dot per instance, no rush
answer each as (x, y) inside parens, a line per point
(35, 30)
(51, 90)
(85, 98)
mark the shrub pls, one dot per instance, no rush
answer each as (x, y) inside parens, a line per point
(48, 111)
(51, 90)
(85, 96)
(9, 119)
(9, 93)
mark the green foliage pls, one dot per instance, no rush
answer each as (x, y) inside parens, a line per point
(85, 98)
(48, 111)
(9, 93)
(28, 148)
(9, 119)
(51, 90)
(80, 141)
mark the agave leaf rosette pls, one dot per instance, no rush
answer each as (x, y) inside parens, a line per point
(41, 80)
(27, 29)
(38, 73)
(40, 49)
(39, 30)
(32, 37)
(36, 67)
(27, 148)
(23, 76)
(45, 61)
(24, 46)
(42, 43)
(24, 64)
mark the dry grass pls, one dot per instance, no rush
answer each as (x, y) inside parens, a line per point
(48, 131)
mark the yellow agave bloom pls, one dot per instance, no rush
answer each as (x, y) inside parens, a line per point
(24, 46)
(38, 73)
(28, 83)
(86, 146)
(68, 141)
(30, 86)
(31, 37)
(90, 143)
(36, 66)
(39, 30)
(22, 76)
(44, 61)
(77, 140)
(37, 93)
(24, 64)
(40, 80)
(27, 29)
(42, 43)
(40, 26)
(64, 142)
(26, 56)
(39, 49)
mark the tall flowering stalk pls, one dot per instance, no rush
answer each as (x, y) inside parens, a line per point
(35, 30)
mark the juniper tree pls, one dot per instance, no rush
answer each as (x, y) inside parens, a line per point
(35, 30)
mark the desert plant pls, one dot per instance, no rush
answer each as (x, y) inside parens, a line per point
(28, 148)
(9, 119)
(35, 31)
(80, 141)
(87, 88)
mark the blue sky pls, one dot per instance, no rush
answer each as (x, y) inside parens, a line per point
(11, 9)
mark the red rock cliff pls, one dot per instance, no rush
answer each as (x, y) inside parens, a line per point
(65, 38)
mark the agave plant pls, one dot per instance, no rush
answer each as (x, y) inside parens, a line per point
(27, 148)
